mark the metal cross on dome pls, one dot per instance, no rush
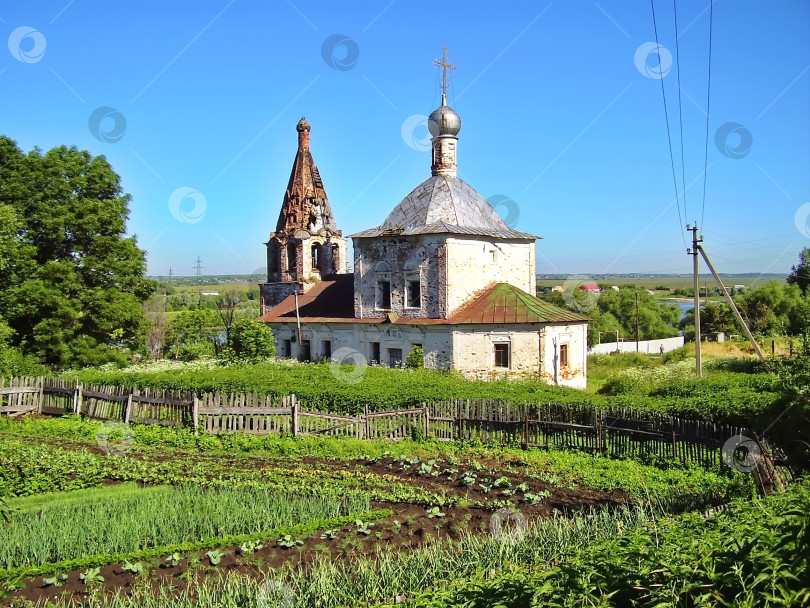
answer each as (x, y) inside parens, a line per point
(445, 66)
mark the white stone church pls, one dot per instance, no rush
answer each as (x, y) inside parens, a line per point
(443, 272)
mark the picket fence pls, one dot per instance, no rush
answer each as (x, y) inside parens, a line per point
(617, 432)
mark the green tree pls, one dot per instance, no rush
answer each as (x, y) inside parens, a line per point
(715, 317)
(415, 358)
(191, 334)
(616, 310)
(800, 274)
(251, 341)
(771, 310)
(73, 285)
(655, 320)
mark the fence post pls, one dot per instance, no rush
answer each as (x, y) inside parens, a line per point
(526, 430)
(195, 413)
(294, 411)
(674, 445)
(41, 383)
(427, 420)
(460, 422)
(128, 411)
(77, 399)
(366, 423)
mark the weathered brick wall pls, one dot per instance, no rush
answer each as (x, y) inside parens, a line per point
(471, 267)
(400, 257)
(273, 293)
(452, 269)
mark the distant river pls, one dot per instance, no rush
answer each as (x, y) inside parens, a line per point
(684, 306)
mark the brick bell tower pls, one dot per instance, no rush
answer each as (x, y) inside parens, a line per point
(306, 246)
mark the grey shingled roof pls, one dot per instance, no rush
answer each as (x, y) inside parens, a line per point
(444, 205)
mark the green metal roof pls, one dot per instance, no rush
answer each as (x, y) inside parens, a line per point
(504, 303)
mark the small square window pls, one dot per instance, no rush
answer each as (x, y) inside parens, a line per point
(394, 357)
(563, 355)
(414, 293)
(501, 355)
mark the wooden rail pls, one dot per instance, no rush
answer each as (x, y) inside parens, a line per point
(617, 431)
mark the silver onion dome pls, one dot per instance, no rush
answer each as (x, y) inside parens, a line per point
(444, 121)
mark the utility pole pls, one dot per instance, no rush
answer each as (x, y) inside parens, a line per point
(732, 305)
(636, 321)
(694, 252)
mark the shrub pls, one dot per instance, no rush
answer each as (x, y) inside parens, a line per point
(251, 341)
(415, 358)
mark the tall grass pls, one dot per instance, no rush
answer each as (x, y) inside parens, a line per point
(106, 523)
(389, 572)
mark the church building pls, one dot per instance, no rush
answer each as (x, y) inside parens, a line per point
(442, 272)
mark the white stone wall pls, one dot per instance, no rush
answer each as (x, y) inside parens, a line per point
(649, 347)
(533, 352)
(575, 336)
(473, 264)
(436, 342)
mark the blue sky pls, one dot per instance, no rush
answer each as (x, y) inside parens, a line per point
(559, 115)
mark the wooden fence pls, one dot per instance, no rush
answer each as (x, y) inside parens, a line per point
(618, 432)
(214, 413)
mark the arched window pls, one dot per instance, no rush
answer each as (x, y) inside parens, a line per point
(291, 258)
(274, 261)
(316, 257)
(335, 258)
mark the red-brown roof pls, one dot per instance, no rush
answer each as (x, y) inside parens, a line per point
(332, 301)
(329, 301)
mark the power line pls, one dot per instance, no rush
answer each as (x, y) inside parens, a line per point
(708, 113)
(680, 107)
(669, 135)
